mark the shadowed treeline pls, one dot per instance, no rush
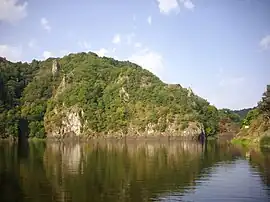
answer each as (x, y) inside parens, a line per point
(22, 173)
(261, 161)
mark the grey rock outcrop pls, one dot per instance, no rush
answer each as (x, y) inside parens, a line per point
(55, 68)
(69, 123)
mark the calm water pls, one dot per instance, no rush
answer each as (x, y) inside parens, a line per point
(132, 171)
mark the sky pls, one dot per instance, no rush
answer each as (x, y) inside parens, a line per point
(221, 49)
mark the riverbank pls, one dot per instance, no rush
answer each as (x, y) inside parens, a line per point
(256, 134)
(263, 142)
(153, 138)
(160, 138)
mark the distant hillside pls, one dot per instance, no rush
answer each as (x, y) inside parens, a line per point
(86, 95)
(229, 121)
(243, 112)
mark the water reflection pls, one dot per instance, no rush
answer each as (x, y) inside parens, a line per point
(70, 156)
(132, 171)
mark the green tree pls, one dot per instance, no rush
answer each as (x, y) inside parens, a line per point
(264, 104)
(251, 115)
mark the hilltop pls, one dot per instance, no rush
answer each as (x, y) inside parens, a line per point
(86, 95)
(243, 112)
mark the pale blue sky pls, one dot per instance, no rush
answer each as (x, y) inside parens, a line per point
(220, 48)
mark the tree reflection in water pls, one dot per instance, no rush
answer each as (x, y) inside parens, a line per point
(112, 170)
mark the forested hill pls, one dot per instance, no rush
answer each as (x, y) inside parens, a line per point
(86, 95)
(243, 112)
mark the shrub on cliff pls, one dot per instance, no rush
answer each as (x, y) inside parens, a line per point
(264, 104)
(251, 115)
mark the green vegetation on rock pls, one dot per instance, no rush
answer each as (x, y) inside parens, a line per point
(256, 125)
(86, 95)
(251, 115)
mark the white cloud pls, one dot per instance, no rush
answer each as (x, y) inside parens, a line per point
(265, 42)
(84, 45)
(116, 39)
(12, 53)
(47, 54)
(188, 4)
(167, 6)
(101, 52)
(138, 45)
(150, 60)
(32, 43)
(125, 38)
(11, 11)
(45, 24)
(149, 20)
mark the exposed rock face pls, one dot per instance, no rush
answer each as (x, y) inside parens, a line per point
(174, 86)
(55, 68)
(124, 94)
(190, 92)
(61, 87)
(72, 124)
(190, 132)
(69, 123)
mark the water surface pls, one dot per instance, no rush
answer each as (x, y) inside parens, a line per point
(132, 171)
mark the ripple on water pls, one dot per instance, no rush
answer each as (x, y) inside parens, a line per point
(232, 181)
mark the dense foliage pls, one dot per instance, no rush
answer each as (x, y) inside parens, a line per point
(14, 77)
(264, 104)
(256, 124)
(251, 115)
(263, 109)
(113, 96)
(243, 112)
(230, 115)
(229, 121)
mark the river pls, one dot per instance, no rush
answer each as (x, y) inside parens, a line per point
(153, 170)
